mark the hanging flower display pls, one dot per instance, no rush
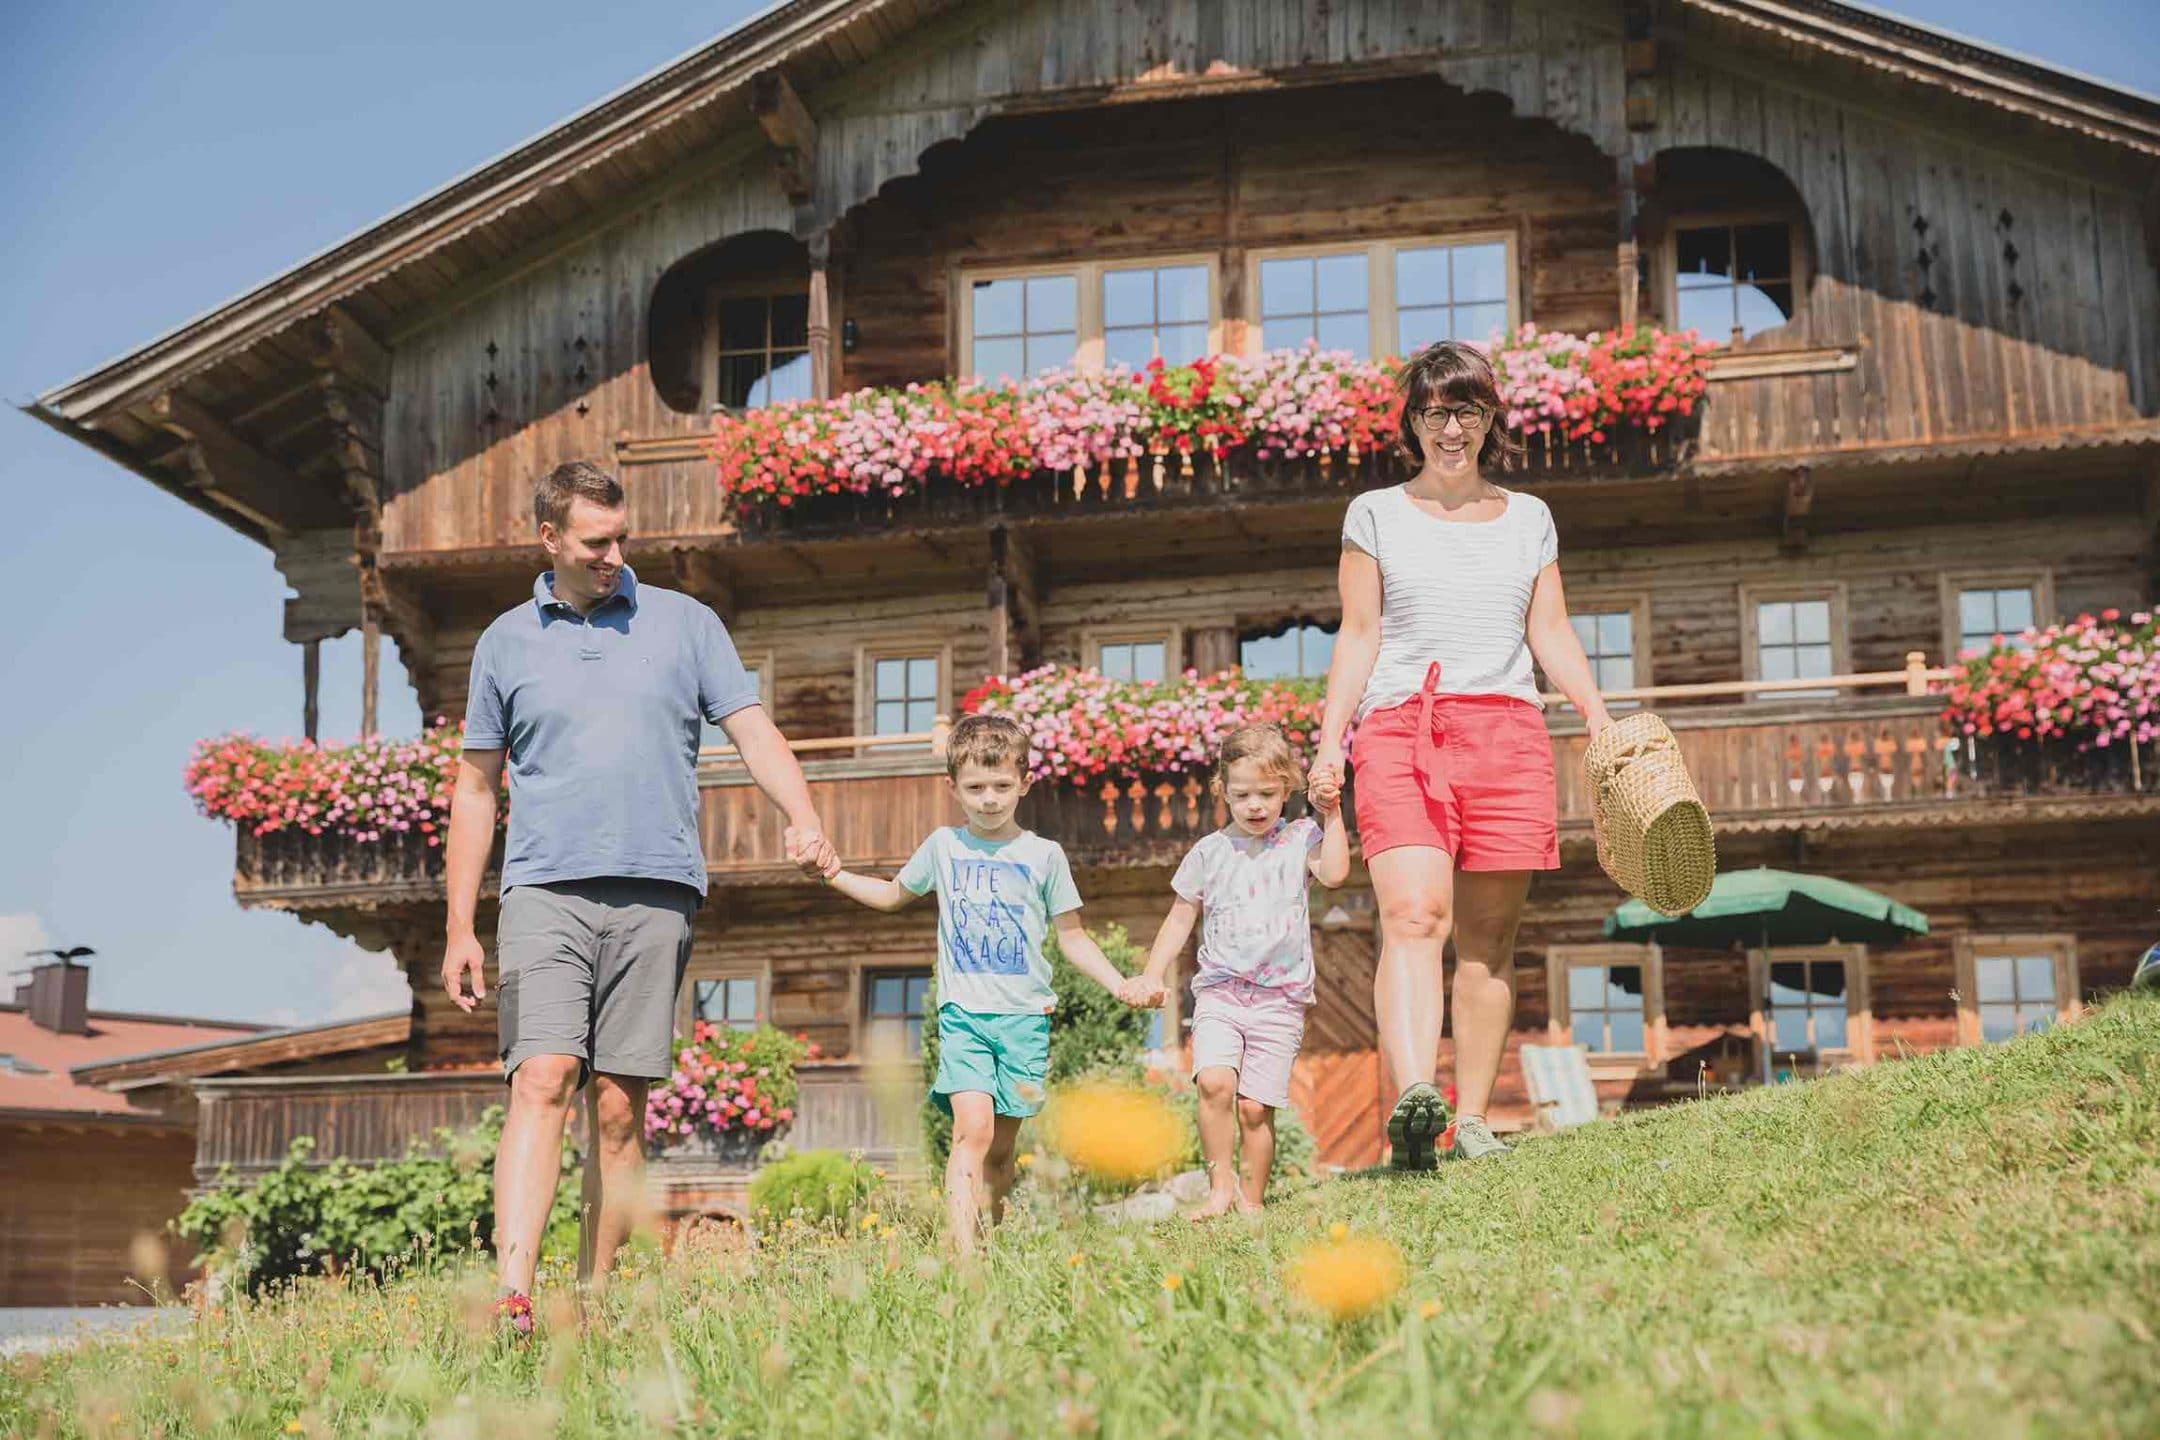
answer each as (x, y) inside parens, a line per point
(367, 790)
(2094, 681)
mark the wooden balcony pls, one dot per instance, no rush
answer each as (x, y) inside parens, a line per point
(1765, 758)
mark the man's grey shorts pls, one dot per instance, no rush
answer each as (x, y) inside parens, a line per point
(591, 968)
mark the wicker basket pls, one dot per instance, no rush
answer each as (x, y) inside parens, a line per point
(1653, 834)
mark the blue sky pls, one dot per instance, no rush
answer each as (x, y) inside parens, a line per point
(161, 159)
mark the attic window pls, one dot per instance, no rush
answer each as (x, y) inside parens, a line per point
(1734, 280)
(759, 348)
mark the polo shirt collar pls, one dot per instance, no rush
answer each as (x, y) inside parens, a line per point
(545, 598)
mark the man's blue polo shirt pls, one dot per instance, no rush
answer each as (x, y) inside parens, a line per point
(600, 715)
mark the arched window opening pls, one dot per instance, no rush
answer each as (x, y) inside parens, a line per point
(1736, 245)
(1294, 649)
(730, 326)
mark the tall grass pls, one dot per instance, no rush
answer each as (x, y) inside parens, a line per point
(1966, 1244)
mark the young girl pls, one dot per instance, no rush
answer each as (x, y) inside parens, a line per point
(1249, 880)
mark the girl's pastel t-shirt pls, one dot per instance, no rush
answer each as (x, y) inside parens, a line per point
(996, 899)
(1255, 923)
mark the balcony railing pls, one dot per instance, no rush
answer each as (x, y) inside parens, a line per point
(1766, 756)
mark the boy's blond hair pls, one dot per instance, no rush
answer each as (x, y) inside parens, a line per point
(994, 742)
(1267, 746)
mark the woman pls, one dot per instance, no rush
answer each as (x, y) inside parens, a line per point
(1450, 585)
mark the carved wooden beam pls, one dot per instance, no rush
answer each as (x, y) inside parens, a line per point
(1799, 502)
(786, 122)
(820, 317)
(343, 346)
(225, 468)
(700, 575)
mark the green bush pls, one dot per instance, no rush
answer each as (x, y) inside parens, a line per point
(814, 1186)
(301, 1218)
(1092, 1032)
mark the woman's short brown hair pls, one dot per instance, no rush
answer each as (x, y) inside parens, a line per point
(1266, 746)
(1458, 372)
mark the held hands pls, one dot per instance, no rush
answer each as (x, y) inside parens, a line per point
(809, 850)
(1323, 782)
(463, 957)
(1140, 992)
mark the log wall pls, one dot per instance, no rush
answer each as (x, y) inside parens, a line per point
(56, 1249)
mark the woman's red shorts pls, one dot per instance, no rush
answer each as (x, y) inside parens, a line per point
(1468, 774)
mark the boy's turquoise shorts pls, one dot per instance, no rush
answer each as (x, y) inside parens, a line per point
(1007, 1057)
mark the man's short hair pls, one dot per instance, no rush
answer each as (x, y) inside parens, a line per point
(995, 742)
(573, 480)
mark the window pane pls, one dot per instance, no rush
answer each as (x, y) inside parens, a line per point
(1708, 313)
(922, 677)
(1812, 662)
(1416, 329)
(742, 380)
(1585, 631)
(1700, 253)
(1791, 1028)
(918, 990)
(999, 307)
(2036, 978)
(1131, 350)
(1826, 978)
(1615, 633)
(921, 715)
(1998, 1022)
(1128, 298)
(1627, 1031)
(1344, 332)
(1147, 662)
(1285, 334)
(1182, 344)
(891, 718)
(1053, 303)
(2013, 610)
(1116, 662)
(1830, 1027)
(1049, 350)
(1421, 277)
(742, 999)
(1286, 287)
(1788, 983)
(1762, 307)
(789, 380)
(1481, 272)
(891, 680)
(1587, 1027)
(885, 995)
(1268, 657)
(2036, 1018)
(1777, 664)
(1763, 252)
(1339, 282)
(1586, 986)
(1617, 673)
(1811, 622)
(790, 321)
(1976, 612)
(1995, 977)
(914, 1035)
(1774, 623)
(1181, 294)
(1000, 359)
(1478, 322)
(1317, 650)
(742, 323)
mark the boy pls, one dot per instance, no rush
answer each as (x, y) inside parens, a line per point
(1000, 889)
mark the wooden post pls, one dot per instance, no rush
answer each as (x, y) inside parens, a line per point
(311, 682)
(821, 367)
(1916, 672)
(370, 670)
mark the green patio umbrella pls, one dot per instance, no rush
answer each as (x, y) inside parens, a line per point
(1767, 908)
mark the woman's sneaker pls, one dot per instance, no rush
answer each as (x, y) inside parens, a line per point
(1474, 1140)
(1418, 1119)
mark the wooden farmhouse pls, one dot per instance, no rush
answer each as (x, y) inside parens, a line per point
(1934, 415)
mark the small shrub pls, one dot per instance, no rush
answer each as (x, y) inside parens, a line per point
(814, 1186)
(302, 1218)
(1092, 1032)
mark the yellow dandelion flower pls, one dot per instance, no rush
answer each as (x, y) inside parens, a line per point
(870, 1221)
(1346, 1278)
(1429, 1309)
(1076, 1259)
(1171, 1282)
(1026, 1160)
(1115, 1132)
(1338, 1231)
(294, 1427)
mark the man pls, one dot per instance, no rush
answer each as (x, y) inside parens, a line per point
(594, 691)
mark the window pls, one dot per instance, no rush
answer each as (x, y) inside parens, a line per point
(1019, 323)
(760, 349)
(1794, 634)
(2012, 985)
(1155, 310)
(1977, 607)
(1610, 1000)
(1142, 656)
(1733, 279)
(904, 694)
(1608, 638)
(1812, 1002)
(730, 1002)
(1292, 650)
(893, 1013)
(1393, 297)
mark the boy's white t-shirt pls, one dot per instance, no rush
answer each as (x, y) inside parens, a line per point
(1255, 924)
(996, 902)
(1452, 591)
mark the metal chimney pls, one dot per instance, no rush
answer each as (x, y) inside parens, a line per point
(60, 997)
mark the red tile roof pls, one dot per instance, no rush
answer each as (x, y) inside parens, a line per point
(49, 1089)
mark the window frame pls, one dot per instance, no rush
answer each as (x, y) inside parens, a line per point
(1281, 623)
(1968, 949)
(860, 1010)
(1656, 1053)
(1381, 310)
(2039, 579)
(898, 648)
(1637, 604)
(1753, 596)
(1172, 637)
(710, 351)
(1795, 222)
(1859, 1046)
(710, 966)
(1090, 345)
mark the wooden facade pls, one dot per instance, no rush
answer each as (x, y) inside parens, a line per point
(1966, 397)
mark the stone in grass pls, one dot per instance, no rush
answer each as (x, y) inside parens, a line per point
(1145, 1208)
